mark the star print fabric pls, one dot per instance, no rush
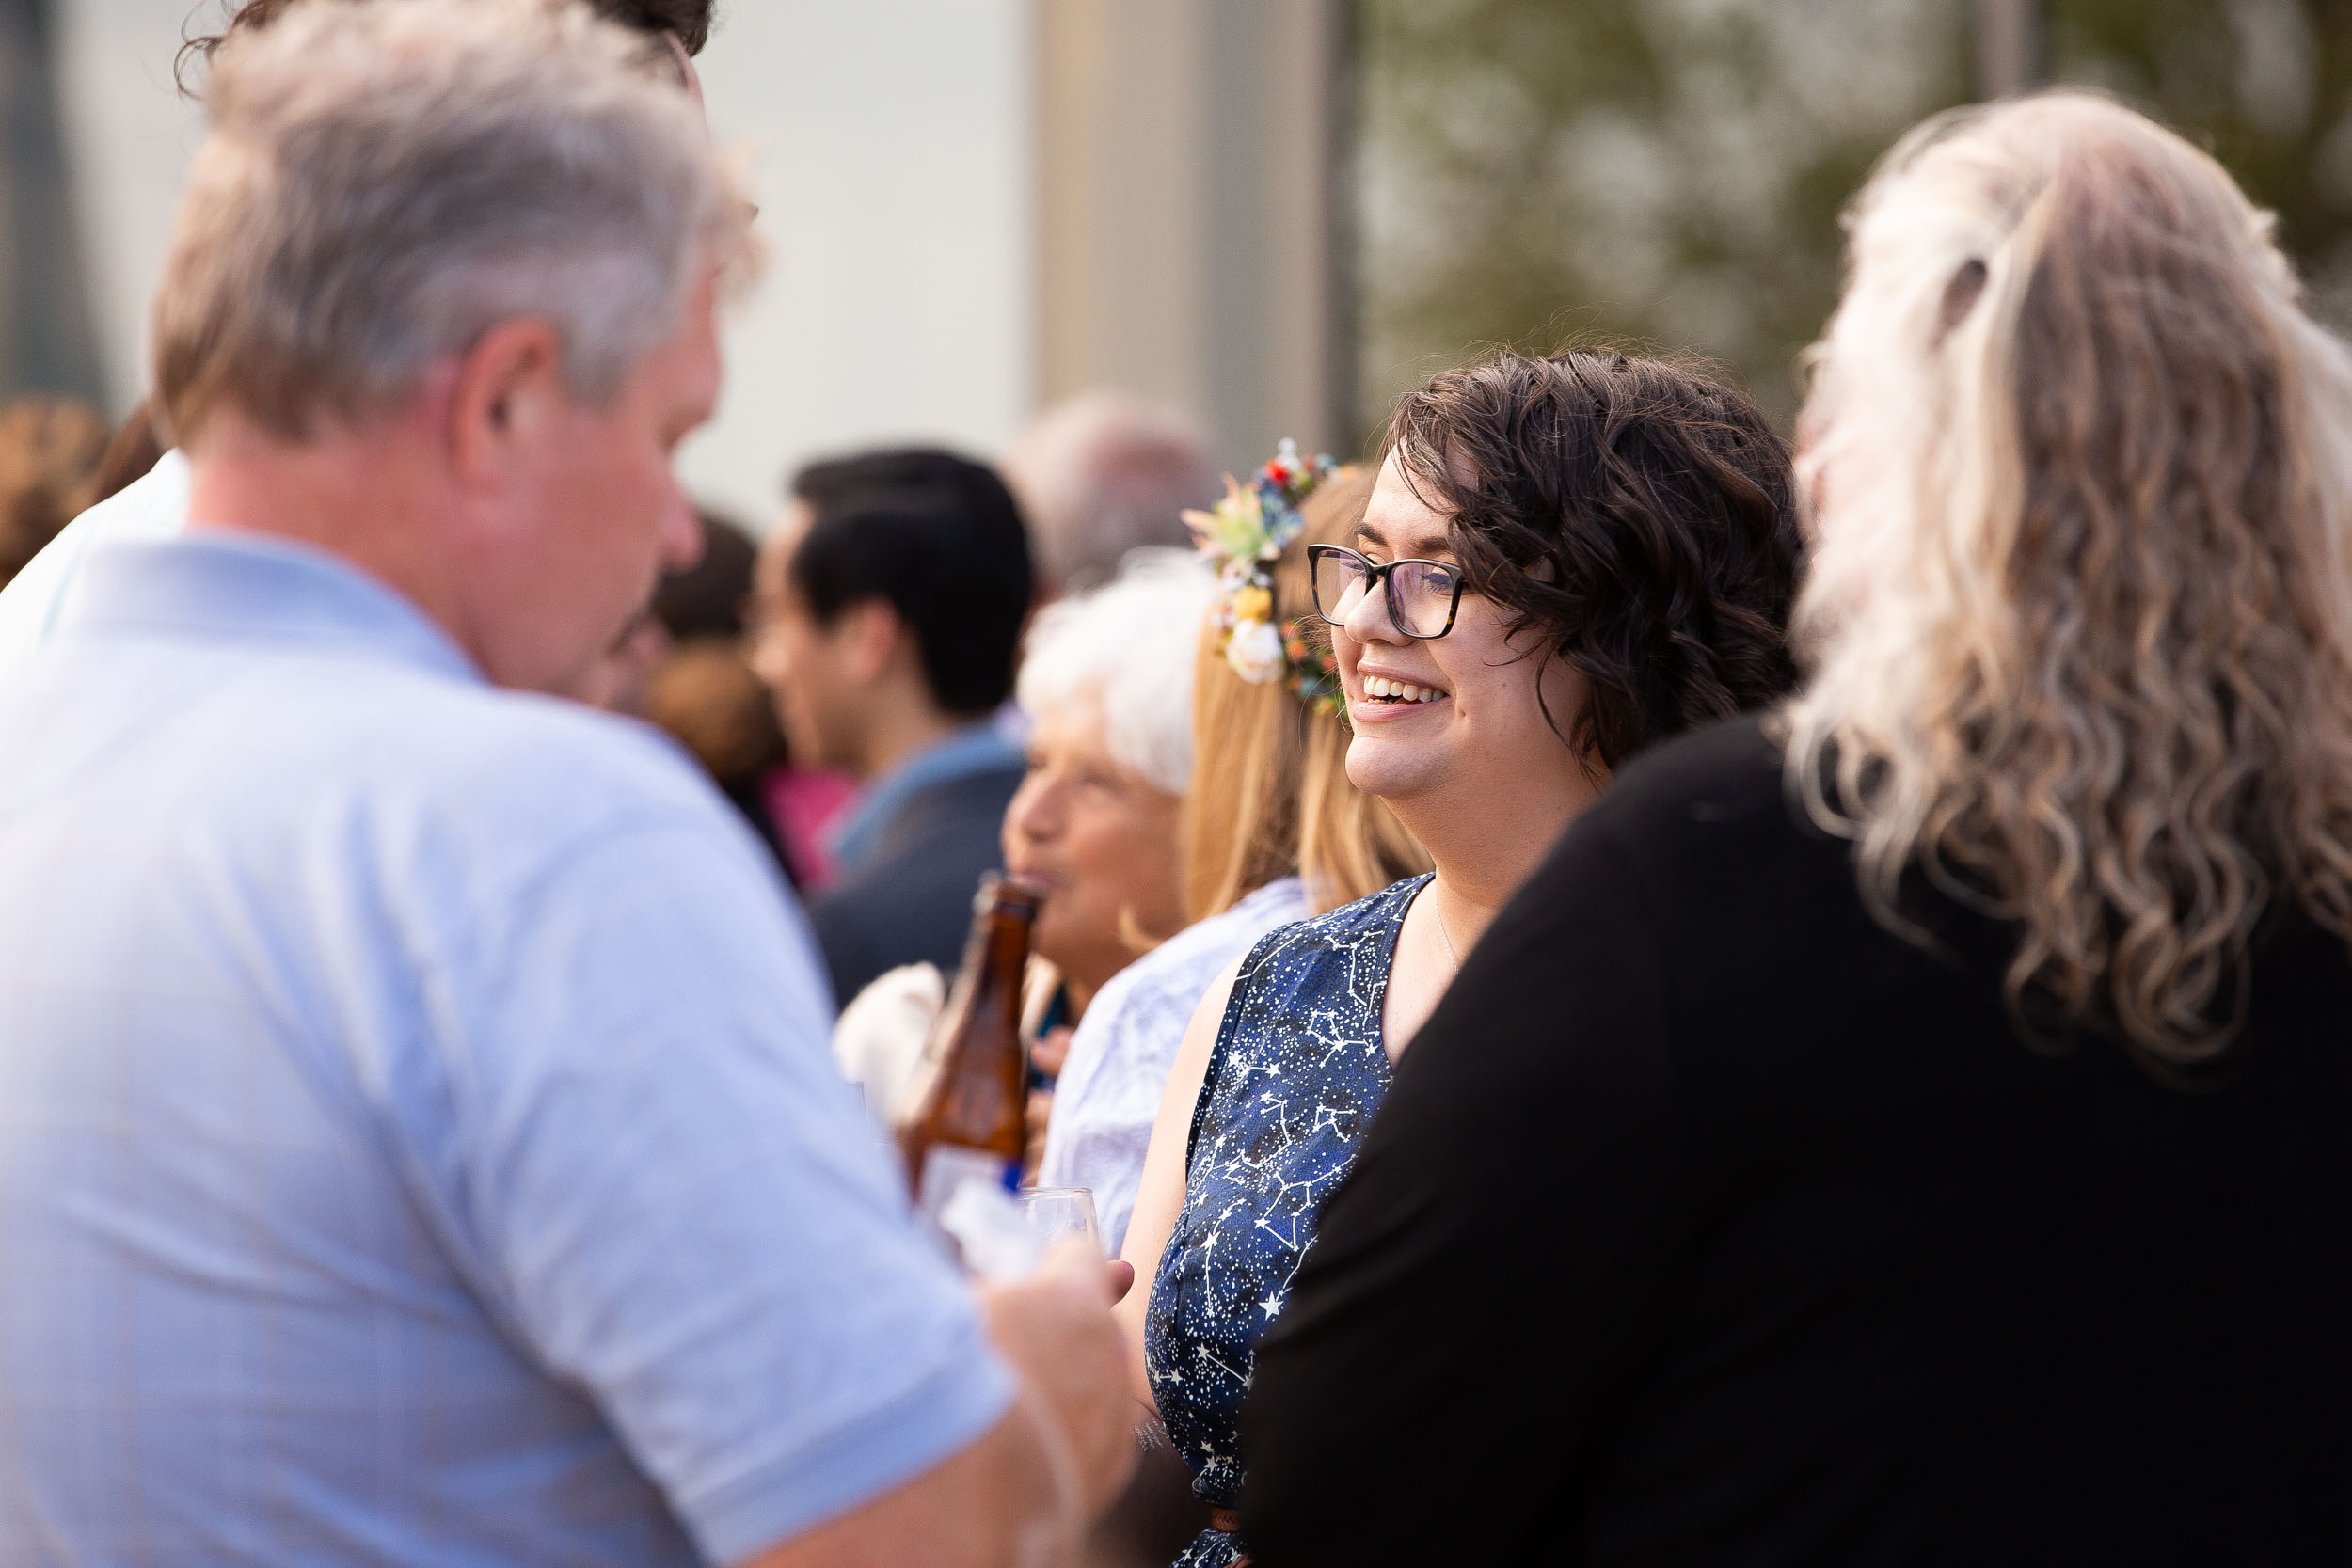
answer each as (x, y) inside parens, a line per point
(1297, 1071)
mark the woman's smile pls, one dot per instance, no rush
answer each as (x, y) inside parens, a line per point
(1387, 701)
(1385, 696)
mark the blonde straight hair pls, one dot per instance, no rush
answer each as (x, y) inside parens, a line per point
(1270, 795)
(2080, 606)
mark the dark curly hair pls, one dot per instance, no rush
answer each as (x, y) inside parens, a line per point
(689, 20)
(1640, 513)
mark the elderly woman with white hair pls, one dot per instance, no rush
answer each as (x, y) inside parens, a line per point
(1106, 682)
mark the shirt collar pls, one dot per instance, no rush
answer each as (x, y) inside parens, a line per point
(245, 587)
(977, 748)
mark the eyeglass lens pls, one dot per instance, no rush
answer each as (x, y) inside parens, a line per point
(1421, 592)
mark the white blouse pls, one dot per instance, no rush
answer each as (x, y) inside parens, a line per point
(1109, 1092)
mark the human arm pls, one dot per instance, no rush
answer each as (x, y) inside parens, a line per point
(1161, 1195)
(1024, 1491)
(1516, 1205)
(657, 1182)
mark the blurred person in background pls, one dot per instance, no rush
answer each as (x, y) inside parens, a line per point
(683, 666)
(1909, 1128)
(50, 452)
(145, 491)
(1272, 830)
(1101, 474)
(420, 1138)
(1563, 562)
(707, 694)
(890, 602)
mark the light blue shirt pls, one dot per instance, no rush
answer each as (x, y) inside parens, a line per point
(419, 1142)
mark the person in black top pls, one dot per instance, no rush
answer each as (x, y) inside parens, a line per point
(1911, 1128)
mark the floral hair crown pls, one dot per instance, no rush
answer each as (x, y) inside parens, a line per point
(1242, 536)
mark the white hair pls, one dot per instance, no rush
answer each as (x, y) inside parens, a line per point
(1128, 648)
(388, 180)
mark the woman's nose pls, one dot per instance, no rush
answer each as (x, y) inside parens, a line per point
(1035, 814)
(1367, 618)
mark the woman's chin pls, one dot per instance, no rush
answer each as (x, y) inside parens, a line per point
(1390, 767)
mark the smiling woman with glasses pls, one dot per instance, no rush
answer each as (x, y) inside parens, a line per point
(1563, 562)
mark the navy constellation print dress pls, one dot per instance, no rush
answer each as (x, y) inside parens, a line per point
(1298, 1070)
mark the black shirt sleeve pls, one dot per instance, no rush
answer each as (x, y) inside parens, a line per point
(1479, 1284)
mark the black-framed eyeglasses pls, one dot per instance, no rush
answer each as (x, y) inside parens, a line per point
(1423, 596)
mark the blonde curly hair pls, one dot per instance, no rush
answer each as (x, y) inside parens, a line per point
(2079, 617)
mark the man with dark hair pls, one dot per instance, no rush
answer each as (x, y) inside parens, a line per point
(892, 599)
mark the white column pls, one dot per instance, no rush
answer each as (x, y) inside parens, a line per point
(1187, 213)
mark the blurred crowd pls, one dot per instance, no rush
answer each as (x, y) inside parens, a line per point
(1624, 990)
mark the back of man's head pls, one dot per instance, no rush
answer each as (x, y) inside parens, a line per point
(385, 180)
(940, 540)
(1104, 473)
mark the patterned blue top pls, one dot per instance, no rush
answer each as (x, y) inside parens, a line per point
(1297, 1071)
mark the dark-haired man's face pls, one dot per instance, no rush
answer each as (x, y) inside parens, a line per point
(808, 668)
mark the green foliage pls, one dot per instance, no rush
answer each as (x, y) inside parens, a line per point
(1672, 171)
(2264, 84)
(1666, 171)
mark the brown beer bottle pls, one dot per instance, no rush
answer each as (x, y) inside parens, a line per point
(963, 1112)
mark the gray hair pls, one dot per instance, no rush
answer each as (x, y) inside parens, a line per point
(1104, 473)
(386, 180)
(1128, 650)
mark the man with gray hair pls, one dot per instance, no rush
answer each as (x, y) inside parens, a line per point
(418, 1137)
(155, 503)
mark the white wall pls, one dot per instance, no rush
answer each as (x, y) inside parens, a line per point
(891, 144)
(128, 135)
